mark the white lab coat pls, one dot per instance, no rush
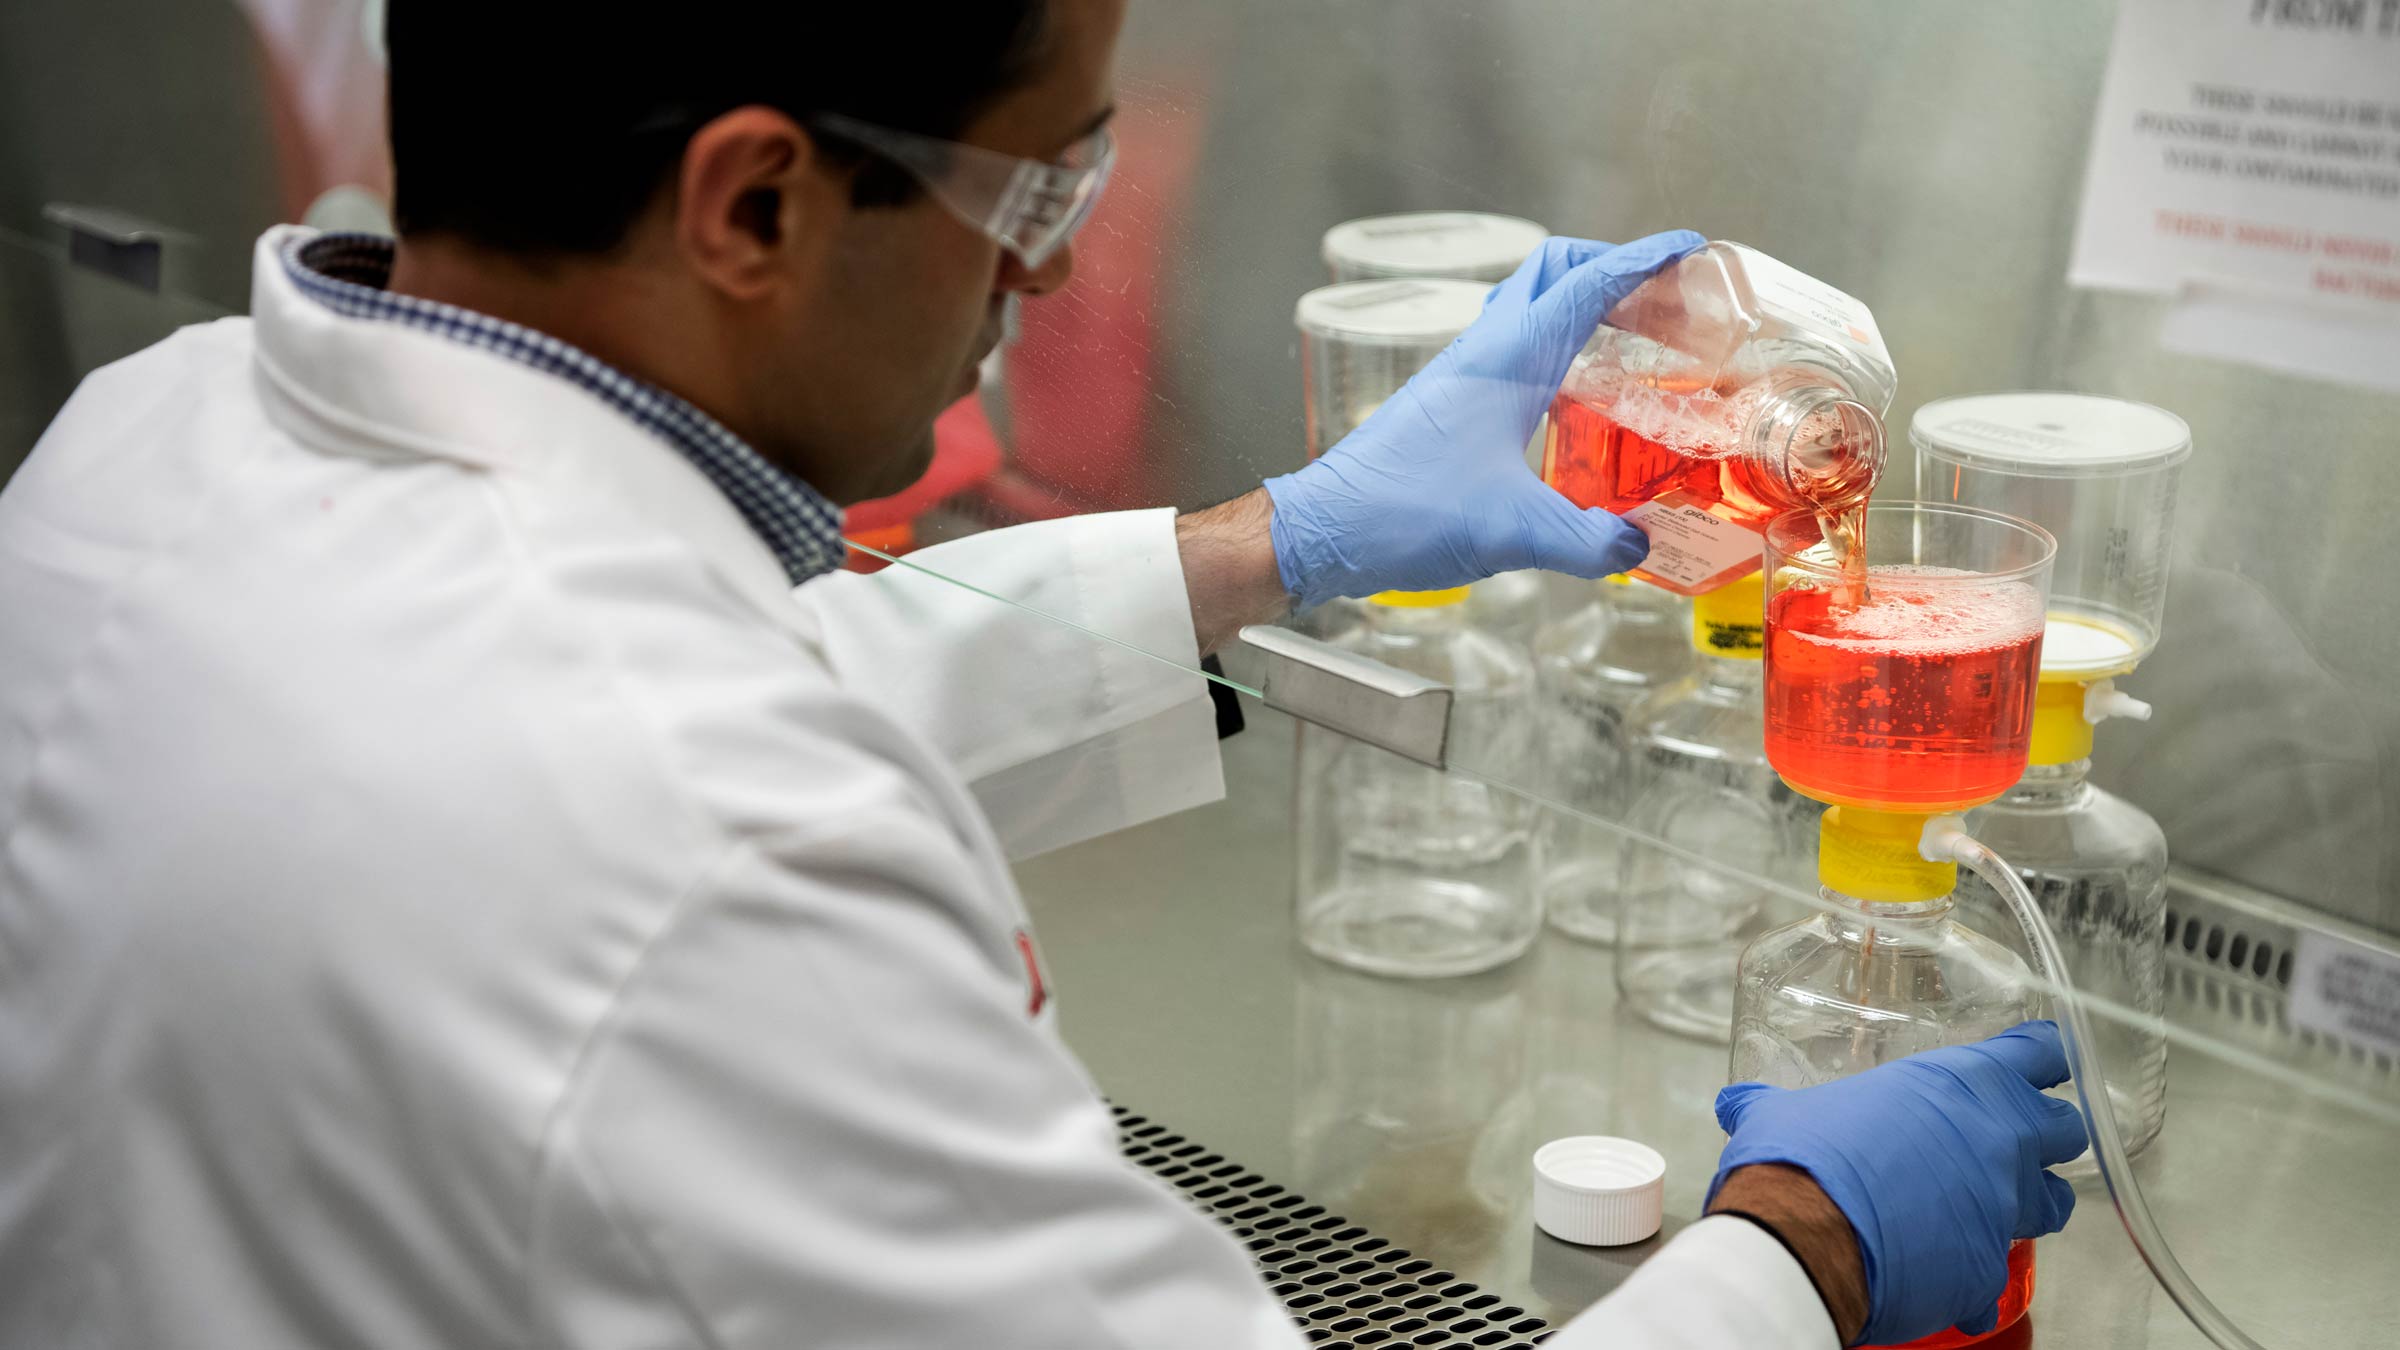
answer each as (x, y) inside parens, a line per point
(452, 894)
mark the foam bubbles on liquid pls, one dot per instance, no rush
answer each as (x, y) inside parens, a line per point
(1931, 617)
(1702, 422)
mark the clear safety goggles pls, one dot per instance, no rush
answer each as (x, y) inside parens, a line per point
(1029, 207)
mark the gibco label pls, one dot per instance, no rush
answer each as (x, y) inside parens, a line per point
(1690, 547)
(2347, 989)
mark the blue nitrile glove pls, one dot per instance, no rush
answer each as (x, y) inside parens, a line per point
(1937, 1162)
(1433, 491)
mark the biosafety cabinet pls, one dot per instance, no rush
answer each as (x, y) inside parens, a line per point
(2218, 609)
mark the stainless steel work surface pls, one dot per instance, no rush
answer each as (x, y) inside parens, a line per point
(1414, 1107)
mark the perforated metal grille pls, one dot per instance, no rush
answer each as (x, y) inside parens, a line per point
(2232, 953)
(2248, 947)
(1344, 1286)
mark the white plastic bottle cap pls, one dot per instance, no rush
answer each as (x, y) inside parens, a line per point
(1598, 1191)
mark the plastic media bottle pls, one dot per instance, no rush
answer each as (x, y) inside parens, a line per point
(1703, 785)
(1405, 870)
(1593, 669)
(1723, 392)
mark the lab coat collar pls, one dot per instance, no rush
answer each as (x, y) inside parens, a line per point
(384, 390)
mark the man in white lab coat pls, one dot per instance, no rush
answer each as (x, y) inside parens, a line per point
(455, 891)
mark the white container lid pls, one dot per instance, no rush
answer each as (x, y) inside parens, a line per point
(1410, 311)
(1432, 244)
(1598, 1191)
(2050, 435)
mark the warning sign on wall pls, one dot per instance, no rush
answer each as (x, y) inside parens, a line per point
(2247, 153)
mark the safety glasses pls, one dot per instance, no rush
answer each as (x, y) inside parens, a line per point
(1029, 207)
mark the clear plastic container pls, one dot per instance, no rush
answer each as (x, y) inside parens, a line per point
(1703, 785)
(1593, 669)
(1468, 244)
(1359, 342)
(1721, 393)
(1404, 870)
(1357, 354)
(1920, 698)
(1413, 1097)
(2097, 865)
(2101, 475)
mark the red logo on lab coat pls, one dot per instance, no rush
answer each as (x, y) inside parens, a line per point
(1037, 995)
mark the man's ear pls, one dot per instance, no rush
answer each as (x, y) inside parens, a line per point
(751, 197)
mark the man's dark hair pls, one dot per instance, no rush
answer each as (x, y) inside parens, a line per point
(548, 128)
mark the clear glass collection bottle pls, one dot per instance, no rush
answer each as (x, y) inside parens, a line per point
(1875, 978)
(1888, 972)
(1706, 789)
(1413, 1103)
(1402, 869)
(2097, 865)
(1510, 605)
(2103, 475)
(1593, 669)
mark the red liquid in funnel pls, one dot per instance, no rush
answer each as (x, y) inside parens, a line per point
(1919, 700)
(2014, 1300)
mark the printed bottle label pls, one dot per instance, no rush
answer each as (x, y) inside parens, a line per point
(1688, 546)
(1803, 298)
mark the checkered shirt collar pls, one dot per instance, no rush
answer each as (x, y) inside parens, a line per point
(348, 274)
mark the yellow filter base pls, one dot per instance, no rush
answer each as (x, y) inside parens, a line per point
(2060, 733)
(1872, 855)
(1732, 619)
(1420, 599)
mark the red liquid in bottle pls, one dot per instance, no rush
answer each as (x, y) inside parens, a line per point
(1920, 699)
(1722, 497)
(2014, 1300)
(1595, 461)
